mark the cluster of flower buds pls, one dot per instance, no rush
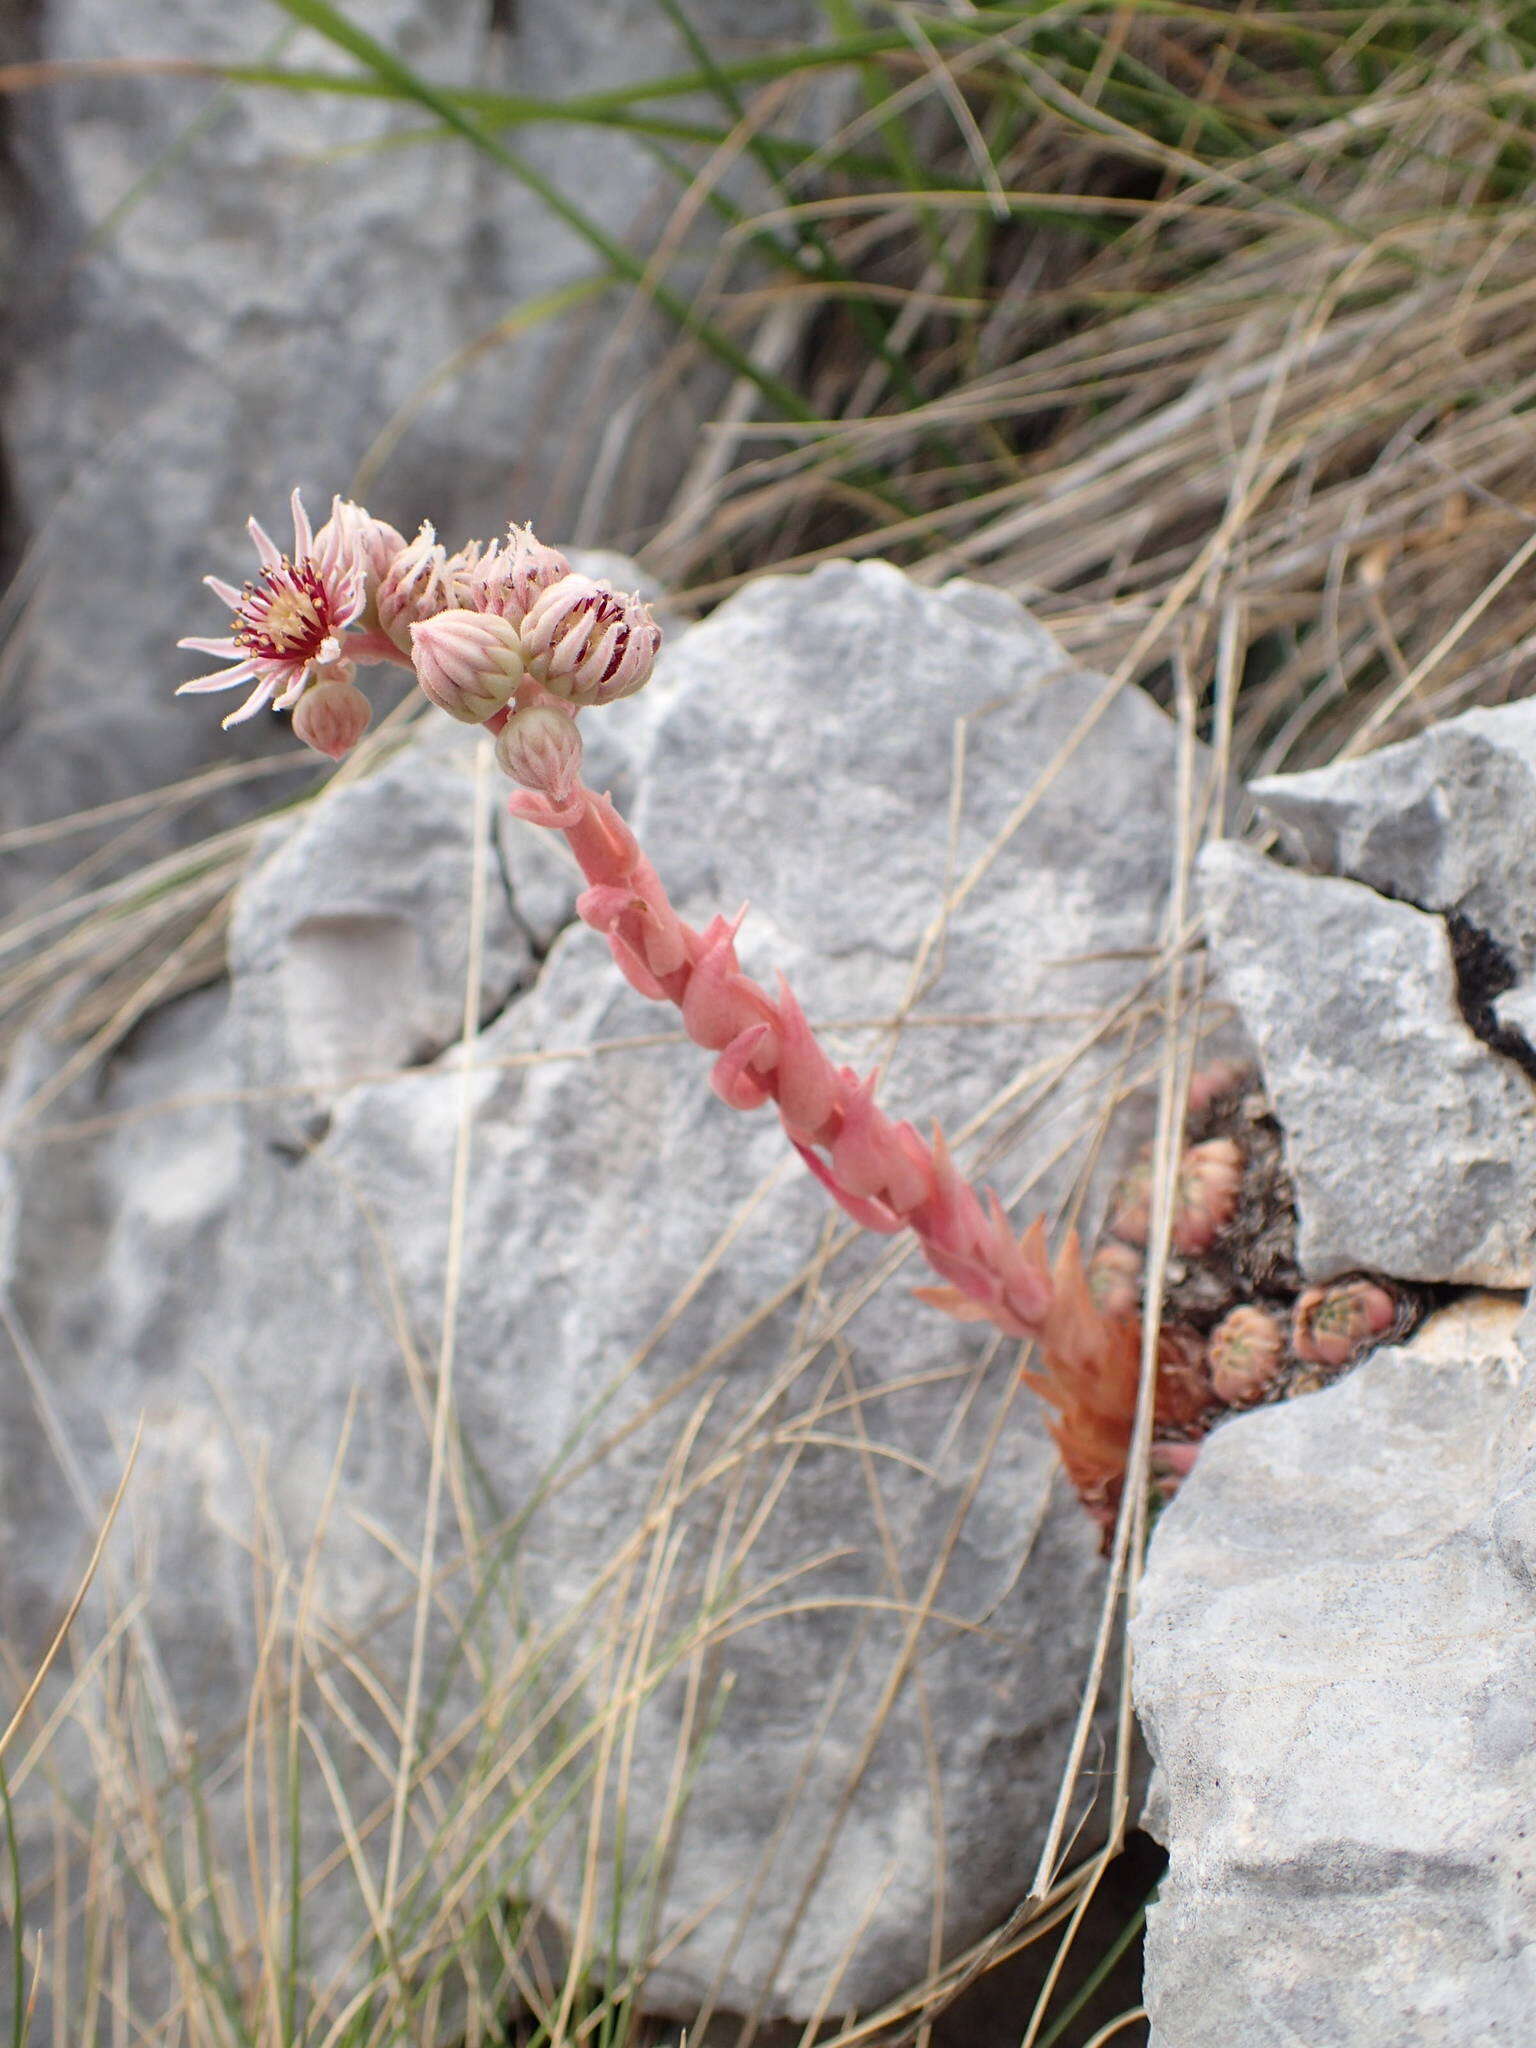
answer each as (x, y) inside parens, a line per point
(1196, 1375)
(507, 636)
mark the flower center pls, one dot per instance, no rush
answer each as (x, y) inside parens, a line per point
(287, 616)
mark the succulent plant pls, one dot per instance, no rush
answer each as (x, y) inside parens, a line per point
(1331, 1325)
(1114, 1279)
(1247, 1351)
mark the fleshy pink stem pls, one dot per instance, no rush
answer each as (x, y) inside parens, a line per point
(882, 1173)
(366, 647)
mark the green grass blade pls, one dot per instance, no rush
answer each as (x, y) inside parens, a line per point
(19, 2026)
(872, 328)
(330, 22)
(1097, 1974)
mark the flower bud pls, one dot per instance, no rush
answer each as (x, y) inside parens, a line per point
(1247, 1347)
(468, 663)
(418, 584)
(332, 716)
(509, 578)
(352, 534)
(587, 643)
(1333, 1324)
(541, 748)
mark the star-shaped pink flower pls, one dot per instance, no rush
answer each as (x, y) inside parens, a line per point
(288, 625)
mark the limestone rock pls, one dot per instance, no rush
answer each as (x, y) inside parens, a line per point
(1411, 1143)
(760, 1578)
(1336, 1673)
(343, 966)
(1441, 821)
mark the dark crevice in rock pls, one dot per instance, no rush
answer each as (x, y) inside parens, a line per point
(1255, 1253)
(1483, 969)
(509, 891)
(539, 948)
(294, 1153)
(520, 986)
(14, 534)
(542, 948)
(495, 1003)
(430, 1050)
(1484, 972)
(987, 2014)
(21, 41)
(492, 1009)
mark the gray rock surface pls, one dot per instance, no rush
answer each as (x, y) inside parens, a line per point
(219, 292)
(779, 1548)
(1411, 1143)
(1336, 1673)
(343, 967)
(1441, 821)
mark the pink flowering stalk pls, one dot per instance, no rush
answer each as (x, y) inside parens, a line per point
(515, 640)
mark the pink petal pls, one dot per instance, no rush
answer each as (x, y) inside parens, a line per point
(252, 704)
(270, 557)
(226, 593)
(227, 649)
(600, 652)
(347, 598)
(221, 679)
(303, 538)
(292, 690)
(372, 647)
